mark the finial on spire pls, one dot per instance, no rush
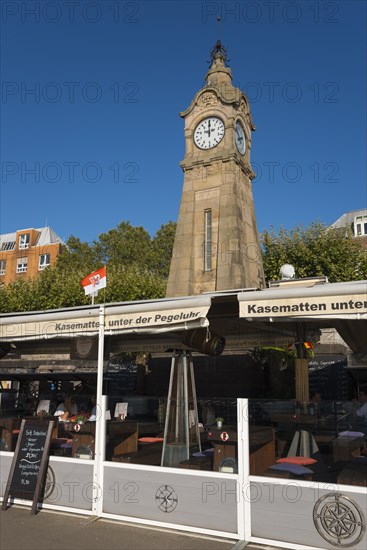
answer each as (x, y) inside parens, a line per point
(218, 51)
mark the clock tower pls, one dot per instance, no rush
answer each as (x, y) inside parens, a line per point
(216, 244)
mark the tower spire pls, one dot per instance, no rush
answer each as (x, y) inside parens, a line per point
(218, 51)
(219, 72)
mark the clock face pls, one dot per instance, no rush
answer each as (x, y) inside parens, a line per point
(209, 132)
(240, 138)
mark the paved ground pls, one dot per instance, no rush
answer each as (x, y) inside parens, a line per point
(58, 531)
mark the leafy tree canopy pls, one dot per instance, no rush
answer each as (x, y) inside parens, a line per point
(313, 251)
(124, 245)
(137, 269)
(138, 265)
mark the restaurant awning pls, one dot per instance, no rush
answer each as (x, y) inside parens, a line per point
(342, 306)
(325, 301)
(145, 317)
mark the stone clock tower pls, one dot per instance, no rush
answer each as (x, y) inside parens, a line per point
(217, 244)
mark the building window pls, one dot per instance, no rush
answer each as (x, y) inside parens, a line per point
(8, 245)
(24, 240)
(360, 226)
(2, 267)
(44, 261)
(22, 265)
(207, 240)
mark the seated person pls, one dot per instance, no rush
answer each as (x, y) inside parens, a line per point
(30, 406)
(93, 414)
(314, 405)
(73, 407)
(207, 413)
(63, 409)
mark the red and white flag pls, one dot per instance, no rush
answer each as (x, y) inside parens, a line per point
(95, 281)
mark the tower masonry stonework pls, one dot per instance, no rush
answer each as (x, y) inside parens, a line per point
(217, 243)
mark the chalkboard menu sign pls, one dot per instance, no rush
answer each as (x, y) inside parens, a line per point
(28, 469)
(121, 378)
(328, 374)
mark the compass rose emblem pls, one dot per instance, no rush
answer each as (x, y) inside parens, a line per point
(339, 520)
(166, 498)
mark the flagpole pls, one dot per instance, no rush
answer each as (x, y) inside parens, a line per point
(100, 434)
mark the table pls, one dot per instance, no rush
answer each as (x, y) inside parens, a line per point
(122, 437)
(354, 473)
(293, 418)
(224, 441)
(83, 436)
(197, 463)
(149, 454)
(344, 448)
(262, 447)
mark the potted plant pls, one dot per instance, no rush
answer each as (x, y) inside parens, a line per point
(79, 418)
(219, 420)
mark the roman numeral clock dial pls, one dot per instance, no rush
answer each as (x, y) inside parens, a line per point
(209, 132)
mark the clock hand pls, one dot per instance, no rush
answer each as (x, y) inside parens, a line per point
(239, 137)
(208, 128)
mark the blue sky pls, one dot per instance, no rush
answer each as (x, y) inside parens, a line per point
(99, 140)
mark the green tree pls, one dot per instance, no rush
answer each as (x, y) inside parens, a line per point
(124, 245)
(137, 269)
(56, 288)
(78, 255)
(53, 289)
(162, 246)
(313, 251)
(18, 296)
(131, 282)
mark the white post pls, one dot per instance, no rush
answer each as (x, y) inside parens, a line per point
(244, 502)
(100, 423)
(101, 442)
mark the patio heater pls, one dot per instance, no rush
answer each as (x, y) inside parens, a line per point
(181, 430)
